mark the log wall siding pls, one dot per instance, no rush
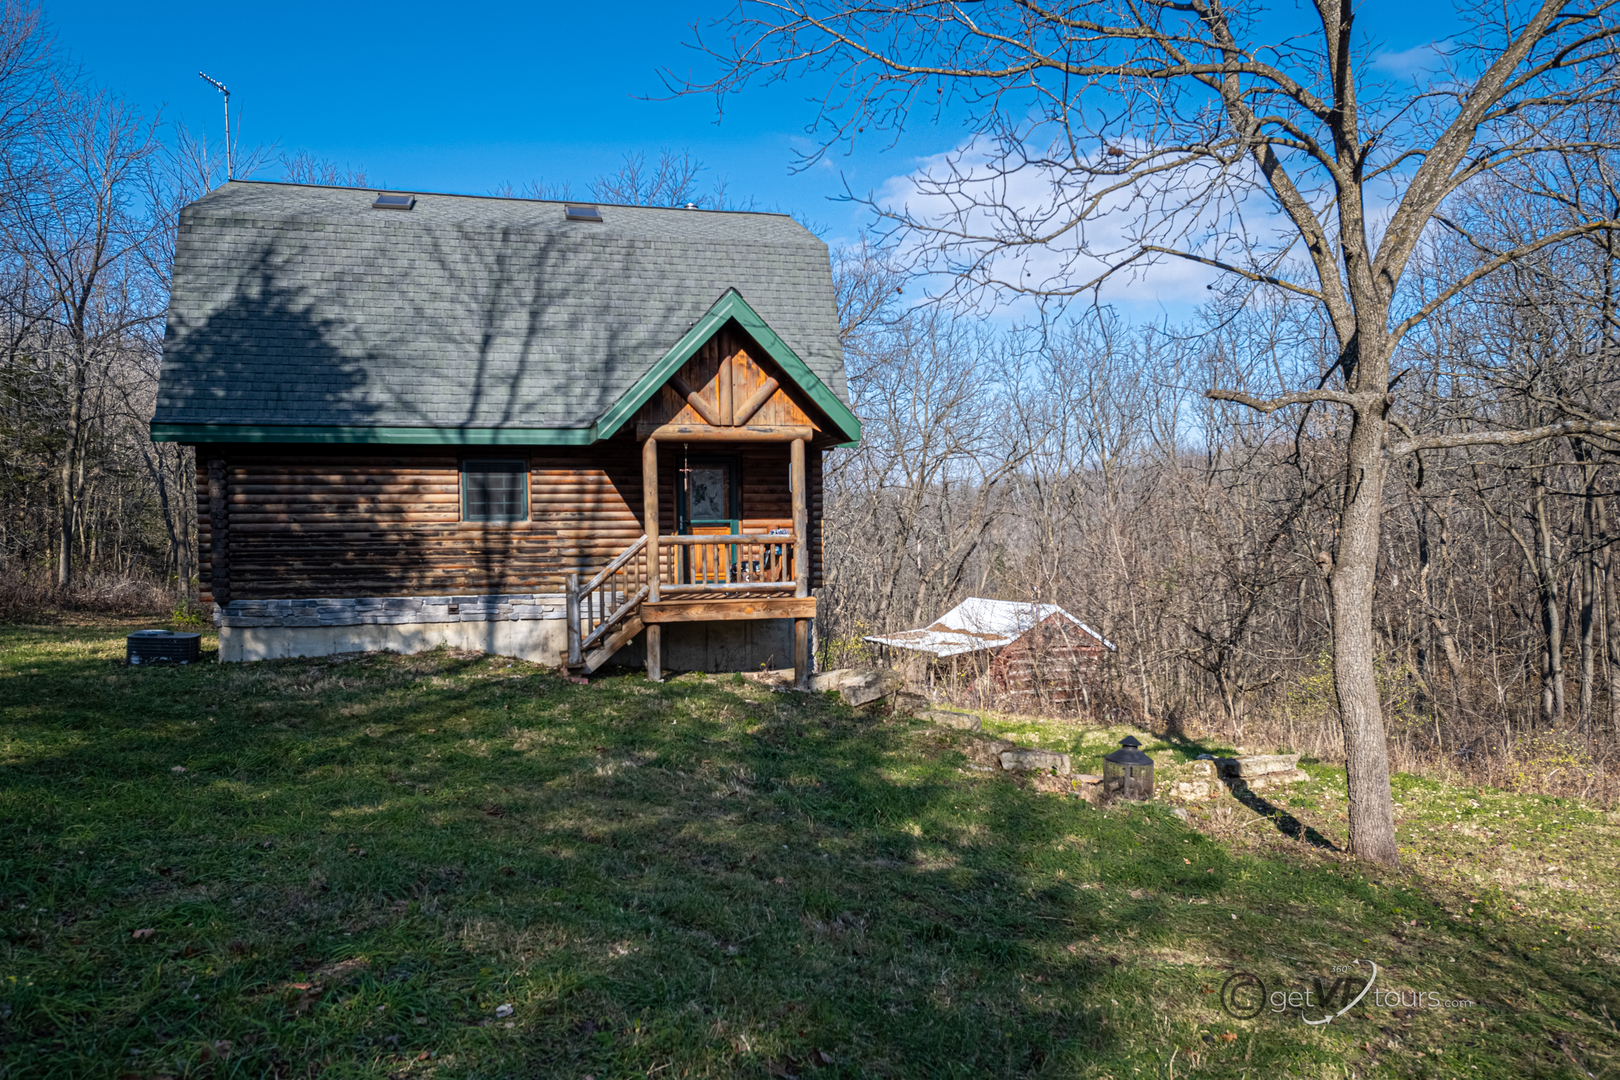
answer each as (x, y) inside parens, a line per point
(347, 521)
(1055, 662)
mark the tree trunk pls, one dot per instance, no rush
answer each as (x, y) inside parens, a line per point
(1552, 623)
(1433, 614)
(1588, 607)
(70, 477)
(1354, 578)
(1611, 608)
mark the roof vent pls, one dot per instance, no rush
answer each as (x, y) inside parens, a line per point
(582, 213)
(394, 202)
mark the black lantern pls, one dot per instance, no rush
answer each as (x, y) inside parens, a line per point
(1127, 772)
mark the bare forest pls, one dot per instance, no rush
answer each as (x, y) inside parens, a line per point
(1086, 469)
(1204, 492)
(93, 514)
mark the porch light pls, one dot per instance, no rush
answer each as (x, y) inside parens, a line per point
(1128, 773)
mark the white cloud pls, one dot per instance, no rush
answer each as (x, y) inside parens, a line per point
(1418, 60)
(989, 201)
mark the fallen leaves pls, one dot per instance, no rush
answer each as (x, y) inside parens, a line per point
(309, 992)
(323, 977)
(343, 970)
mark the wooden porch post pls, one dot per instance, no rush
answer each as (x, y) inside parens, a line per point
(574, 657)
(649, 509)
(801, 563)
(219, 523)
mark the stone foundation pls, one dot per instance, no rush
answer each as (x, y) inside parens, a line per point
(532, 626)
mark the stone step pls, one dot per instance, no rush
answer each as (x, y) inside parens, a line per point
(1268, 781)
(1256, 765)
(962, 721)
(1020, 758)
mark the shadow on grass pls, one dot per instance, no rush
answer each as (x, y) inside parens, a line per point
(1287, 824)
(701, 876)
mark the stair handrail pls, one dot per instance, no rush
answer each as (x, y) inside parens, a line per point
(587, 604)
(606, 625)
(623, 557)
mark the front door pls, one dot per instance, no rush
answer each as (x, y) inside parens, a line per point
(706, 504)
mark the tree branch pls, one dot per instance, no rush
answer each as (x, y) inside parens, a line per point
(1507, 438)
(1271, 405)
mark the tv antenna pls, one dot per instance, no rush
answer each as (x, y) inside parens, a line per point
(217, 85)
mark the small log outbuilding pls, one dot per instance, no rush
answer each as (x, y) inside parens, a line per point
(1025, 654)
(566, 432)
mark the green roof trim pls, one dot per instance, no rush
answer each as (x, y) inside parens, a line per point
(732, 306)
(417, 436)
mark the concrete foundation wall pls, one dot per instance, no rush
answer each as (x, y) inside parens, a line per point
(543, 641)
(745, 645)
(531, 627)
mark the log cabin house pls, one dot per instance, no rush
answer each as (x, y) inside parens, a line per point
(567, 432)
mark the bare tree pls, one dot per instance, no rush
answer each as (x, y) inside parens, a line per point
(1108, 137)
(78, 224)
(26, 68)
(305, 168)
(673, 180)
(534, 189)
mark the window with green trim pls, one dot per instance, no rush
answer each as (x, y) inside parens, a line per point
(494, 490)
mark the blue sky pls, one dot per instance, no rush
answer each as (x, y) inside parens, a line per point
(461, 98)
(437, 97)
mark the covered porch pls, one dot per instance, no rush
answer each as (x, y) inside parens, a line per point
(713, 576)
(718, 421)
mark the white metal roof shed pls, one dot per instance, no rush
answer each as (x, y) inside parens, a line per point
(977, 624)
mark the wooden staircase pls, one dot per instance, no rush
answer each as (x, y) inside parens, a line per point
(605, 613)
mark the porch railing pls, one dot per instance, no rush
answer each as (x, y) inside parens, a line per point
(755, 562)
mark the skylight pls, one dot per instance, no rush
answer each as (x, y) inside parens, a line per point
(394, 202)
(582, 213)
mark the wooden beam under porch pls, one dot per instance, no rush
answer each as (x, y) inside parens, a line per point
(710, 610)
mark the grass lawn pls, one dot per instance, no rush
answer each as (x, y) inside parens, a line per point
(453, 866)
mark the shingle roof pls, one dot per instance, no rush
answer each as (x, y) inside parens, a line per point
(296, 305)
